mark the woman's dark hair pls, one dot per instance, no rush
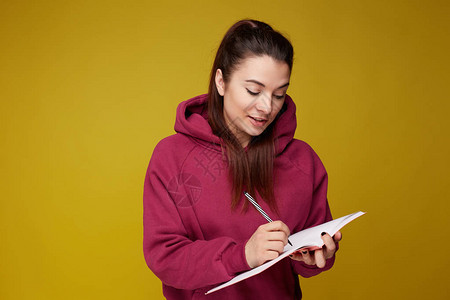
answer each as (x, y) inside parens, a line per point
(250, 169)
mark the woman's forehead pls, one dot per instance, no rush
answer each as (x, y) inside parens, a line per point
(262, 69)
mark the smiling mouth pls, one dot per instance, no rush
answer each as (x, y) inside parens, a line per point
(258, 121)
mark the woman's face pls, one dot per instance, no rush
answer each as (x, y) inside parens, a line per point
(253, 96)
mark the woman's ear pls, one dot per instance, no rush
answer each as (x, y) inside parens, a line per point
(220, 84)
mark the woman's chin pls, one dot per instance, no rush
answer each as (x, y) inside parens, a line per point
(255, 133)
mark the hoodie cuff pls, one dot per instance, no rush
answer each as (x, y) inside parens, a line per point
(307, 271)
(233, 259)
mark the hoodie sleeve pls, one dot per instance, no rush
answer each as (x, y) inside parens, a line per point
(169, 252)
(319, 213)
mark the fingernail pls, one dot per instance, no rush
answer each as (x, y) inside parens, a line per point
(323, 233)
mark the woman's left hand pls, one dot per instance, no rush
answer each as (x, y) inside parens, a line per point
(318, 256)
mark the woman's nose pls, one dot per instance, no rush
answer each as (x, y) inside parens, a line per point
(264, 104)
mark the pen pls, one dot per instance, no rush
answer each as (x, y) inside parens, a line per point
(256, 205)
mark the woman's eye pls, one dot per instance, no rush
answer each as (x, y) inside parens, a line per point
(252, 93)
(279, 97)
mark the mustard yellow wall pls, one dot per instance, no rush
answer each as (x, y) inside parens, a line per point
(87, 89)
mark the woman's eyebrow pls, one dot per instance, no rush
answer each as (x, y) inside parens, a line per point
(261, 84)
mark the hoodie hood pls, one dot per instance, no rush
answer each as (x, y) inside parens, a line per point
(192, 120)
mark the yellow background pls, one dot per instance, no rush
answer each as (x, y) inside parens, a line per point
(88, 88)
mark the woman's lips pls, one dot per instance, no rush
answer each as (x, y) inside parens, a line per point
(258, 122)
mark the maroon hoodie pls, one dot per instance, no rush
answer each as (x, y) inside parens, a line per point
(194, 241)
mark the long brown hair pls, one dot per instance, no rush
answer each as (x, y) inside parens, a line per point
(251, 169)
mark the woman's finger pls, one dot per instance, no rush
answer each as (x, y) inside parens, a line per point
(329, 246)
(277, 236)
(319, 258)
(277, 226)
(296, 256)
(277, 246)
(307, 257)
(337, 236)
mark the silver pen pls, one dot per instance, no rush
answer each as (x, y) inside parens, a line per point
(256, 205)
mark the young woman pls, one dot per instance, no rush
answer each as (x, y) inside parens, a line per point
(199, 228)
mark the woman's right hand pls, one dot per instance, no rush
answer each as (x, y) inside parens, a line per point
(266, 243)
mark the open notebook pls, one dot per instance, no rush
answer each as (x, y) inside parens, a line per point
(306, 238)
